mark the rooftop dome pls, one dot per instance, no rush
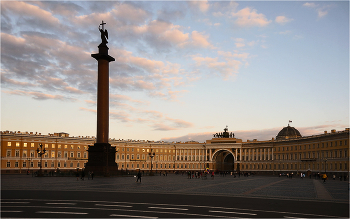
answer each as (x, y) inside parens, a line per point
(288, 133)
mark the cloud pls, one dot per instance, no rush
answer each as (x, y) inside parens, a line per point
(282, 20)
(248, 17)
(311, 5)
(321, 10)
(88, 110)
(202, 6)
(226, 68)
(39, 95)
(200, 40)
(260, 135)
(33, 15)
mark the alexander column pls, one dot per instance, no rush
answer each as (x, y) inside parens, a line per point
(102, 154)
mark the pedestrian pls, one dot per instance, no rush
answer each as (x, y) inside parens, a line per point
(82, 175)
(89, 175)
(212, 175)
(139, 175)
(333, 177)
(92, 175)
(324, 177)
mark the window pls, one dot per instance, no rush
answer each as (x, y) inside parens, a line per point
(45, 164)
(25, 145)
(9, 143)
(16, 164)
(31, 145)
(17, 154)
(52, 164)
(85, 155)
(24, 164)
(32, 153)
(46, 145)
(59, 154)
(65, 146)
(24, 153)
(58, 164)
(78, 154)
(17, 144)
(66, 154)
(78, 146)
(53, 145)
(8, 164)
(8, 153)
(132, 157)
(59, 146)
(71, 164)
(71, 154)
(72, 147)
(52, 154)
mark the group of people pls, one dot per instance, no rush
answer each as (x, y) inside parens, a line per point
(82, 175)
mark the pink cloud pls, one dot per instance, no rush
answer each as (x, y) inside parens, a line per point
(249, 17)
(26, 9)
(39, 95)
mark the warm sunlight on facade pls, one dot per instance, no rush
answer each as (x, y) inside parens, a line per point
(288, 153)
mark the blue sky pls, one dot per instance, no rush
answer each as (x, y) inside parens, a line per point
(183, 70)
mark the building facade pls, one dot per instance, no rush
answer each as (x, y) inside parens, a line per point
(289, 152)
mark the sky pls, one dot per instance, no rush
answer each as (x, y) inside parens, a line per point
(183, 70)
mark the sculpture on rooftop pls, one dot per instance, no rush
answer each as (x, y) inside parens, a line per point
(224, 134)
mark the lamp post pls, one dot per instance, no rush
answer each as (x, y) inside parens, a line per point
(28, 159)
(325, 165)
(151, 155)
(41, 152)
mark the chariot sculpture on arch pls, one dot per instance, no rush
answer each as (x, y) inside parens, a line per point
(104, 33)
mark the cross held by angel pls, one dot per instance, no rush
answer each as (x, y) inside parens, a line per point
(104, 33)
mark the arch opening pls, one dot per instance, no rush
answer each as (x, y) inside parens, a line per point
(223, 160)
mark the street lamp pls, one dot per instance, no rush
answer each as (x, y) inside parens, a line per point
(151, 155)
(41, 152)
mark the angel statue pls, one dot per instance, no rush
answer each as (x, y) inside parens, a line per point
(104, 33)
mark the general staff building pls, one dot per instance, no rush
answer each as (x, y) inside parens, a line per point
(289, 152)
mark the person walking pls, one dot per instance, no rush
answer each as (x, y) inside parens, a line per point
(92, 175)
(82, 175)
(139, 175)
(212, 175)
(324, 177)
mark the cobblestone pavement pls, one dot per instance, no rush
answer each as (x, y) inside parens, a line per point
(253, 186)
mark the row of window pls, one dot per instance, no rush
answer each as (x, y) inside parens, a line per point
(313, 146)
(51, 154)
(32, 145)
(45, 164)
(328, 167)
(161, 166)
(323, 154)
